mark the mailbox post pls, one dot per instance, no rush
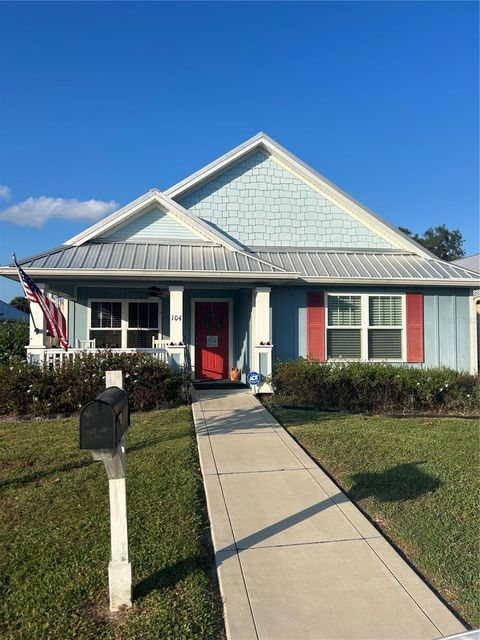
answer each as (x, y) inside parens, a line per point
(103, 429)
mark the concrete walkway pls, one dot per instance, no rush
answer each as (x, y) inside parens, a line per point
(296, 559)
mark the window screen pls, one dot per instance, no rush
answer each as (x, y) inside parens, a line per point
(106, 315)
(344, 343)
(344, 311)
(384, 344)
(385, 311)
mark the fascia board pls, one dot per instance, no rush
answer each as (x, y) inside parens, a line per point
(136, 207)
(345, 200)
(106, 223)
(197, 224)
(147, 273)
(213, 167)
(404, 282)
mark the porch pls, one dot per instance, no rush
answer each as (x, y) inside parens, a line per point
(207, 331)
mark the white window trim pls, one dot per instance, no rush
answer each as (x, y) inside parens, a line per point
(124, 317)
(365, 326)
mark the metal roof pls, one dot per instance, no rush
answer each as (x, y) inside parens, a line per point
(154, 256)
(365, 265)
(470, 262)
(194, 260)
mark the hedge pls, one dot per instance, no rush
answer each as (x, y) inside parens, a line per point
(30, 389)
(375, 388)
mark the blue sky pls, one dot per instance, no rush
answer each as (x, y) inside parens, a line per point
(102, 101)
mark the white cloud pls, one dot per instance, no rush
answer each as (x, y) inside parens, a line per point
(35, 212)
(5, 192)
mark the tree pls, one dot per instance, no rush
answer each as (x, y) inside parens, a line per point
(445, 244)
(14, 337)
(20, 303)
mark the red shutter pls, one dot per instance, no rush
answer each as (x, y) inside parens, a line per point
(414, 327)
(315, 325)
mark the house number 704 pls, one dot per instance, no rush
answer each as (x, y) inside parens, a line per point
(174, 317)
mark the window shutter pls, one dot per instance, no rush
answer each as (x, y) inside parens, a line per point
(316, 325)
(414, 308)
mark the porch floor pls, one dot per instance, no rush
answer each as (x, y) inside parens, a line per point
(219, 385)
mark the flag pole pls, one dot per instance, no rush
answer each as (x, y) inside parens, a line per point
(37, 331)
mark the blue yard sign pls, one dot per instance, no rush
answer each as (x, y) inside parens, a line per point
(254, 378)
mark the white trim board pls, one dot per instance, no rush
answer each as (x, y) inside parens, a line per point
(143, 204)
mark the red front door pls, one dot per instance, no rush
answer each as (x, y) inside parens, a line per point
(211, 340)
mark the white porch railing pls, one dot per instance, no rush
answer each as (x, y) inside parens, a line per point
(55, 357)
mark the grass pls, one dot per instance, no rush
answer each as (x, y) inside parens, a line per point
(54, 534)
(417, 478)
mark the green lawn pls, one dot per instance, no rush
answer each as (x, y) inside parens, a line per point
(417, 478)
(54, 534)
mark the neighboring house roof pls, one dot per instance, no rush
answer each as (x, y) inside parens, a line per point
(470, 262)
(473, 264)
(7, 312)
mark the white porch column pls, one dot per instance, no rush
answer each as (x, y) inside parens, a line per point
(38, 341)
(262, 337)
(177, 349)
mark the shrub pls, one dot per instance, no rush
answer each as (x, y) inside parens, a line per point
(14, 337)
(368, 387)
(40, 390)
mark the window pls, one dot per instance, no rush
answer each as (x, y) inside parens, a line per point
(365, 327)
(385, 327)
(142, 324)
(117, 325)
(106, 324)
(344, 339)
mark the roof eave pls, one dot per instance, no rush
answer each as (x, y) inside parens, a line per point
(147, 273)
(404, 282)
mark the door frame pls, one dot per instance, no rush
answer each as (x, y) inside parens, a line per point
(229, 301)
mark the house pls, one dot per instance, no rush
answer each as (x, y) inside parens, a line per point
(11, 314)
(256, 257)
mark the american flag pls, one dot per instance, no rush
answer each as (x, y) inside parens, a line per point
(56, 323)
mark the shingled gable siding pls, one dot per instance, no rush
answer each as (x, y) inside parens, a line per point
(246, 199)
(153, 224)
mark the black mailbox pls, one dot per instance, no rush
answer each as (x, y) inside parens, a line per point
(104, 421)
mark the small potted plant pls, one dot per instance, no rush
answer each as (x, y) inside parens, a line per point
(235, 374)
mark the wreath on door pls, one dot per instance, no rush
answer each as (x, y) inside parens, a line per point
(212, 321)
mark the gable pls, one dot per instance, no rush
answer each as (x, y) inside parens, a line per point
(154, 224)
(261, 203)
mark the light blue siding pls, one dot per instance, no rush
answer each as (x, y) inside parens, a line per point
(446, 320)
(447, 329)
(260, 203)
(153, 225)
(446, 324)
(289, 322)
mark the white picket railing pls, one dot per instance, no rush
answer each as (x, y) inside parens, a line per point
(55, 357)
